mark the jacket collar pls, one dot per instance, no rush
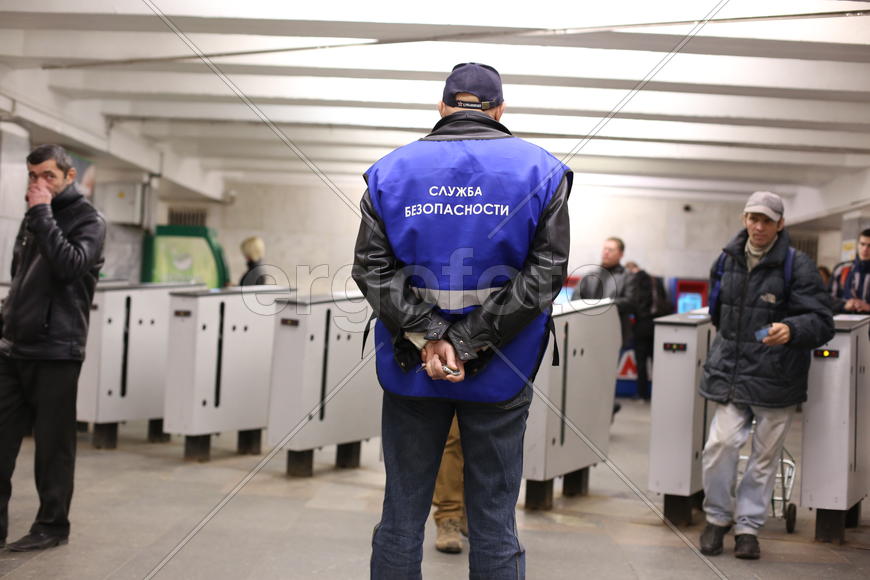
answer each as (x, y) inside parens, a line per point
(737, 248)
(468, 124)
(66, 197)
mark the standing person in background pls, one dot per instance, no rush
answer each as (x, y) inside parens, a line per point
(643, 326)
(254, 250)
(770, 309)
(849, 285)
(611, 280)
(449, 497)
(462, 248)
(55, 267)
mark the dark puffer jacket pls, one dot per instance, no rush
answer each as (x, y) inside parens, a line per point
(55, 266)
(740, 369)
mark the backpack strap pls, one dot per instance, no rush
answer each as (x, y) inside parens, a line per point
(787, 273)
(716, 290)
(551, 326)
(366, 334)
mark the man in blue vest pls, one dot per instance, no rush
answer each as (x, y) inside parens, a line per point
(462, 248)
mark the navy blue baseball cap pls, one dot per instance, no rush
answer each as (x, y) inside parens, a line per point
(480, 80)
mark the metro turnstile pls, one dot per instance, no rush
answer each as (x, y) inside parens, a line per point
(835, 462)
(579, 394)
(124, 372)
(322, 390)
(679, 417)
(220, 361)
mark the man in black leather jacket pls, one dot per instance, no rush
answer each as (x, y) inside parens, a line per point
(772, 309)
(56, 262)
(612, 280)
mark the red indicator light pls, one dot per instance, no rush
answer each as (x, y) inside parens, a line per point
(826, 353)
(675, 346)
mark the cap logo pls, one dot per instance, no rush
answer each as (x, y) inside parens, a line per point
(472, 105)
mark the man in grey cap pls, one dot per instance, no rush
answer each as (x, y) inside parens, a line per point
(771, 309)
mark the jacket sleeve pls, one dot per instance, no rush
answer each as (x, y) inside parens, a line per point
(532, 291)
(627, 297)
(22, 230)
(385, 281)
(809, 306)
(69, 255)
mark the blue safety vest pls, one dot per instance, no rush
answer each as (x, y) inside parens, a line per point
(464, 213)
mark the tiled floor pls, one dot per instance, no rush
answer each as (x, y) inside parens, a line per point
(134, 505)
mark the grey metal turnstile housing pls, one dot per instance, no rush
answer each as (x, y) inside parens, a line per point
(835, 462)
(679, 417)
(580, 391)
(124, 372)
(220, 362)
(322, 388)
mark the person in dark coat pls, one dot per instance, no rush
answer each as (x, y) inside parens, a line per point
(850, 281)
(612, 280)
(254, 249)
(643, 326)
(55, 266)
(757, 368)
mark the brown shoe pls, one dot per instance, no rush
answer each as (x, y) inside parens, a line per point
(449, 539)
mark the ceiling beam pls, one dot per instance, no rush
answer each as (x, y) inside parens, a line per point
(575, 127)
(329, 91)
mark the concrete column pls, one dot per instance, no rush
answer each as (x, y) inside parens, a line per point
(14, 147)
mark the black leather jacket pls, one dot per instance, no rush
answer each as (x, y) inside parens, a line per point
(618, 284)
(504, 313)
(55, 266)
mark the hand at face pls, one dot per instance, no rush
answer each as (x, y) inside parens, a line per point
(779, 334)
(437, 353)
(37, 194)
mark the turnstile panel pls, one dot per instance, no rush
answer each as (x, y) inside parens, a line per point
(124, 372)
(324, 389)
(835, 460)
(220, 359)
(679, 416)
(579, 392)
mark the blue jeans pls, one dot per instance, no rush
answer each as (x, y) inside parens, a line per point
(414, 432)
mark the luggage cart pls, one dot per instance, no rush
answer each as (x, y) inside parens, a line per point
(780, 501)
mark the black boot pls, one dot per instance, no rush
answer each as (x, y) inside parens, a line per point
(746, 547)
(711, 539)
(36, 541)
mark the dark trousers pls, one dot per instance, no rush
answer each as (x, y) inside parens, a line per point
(414, 432)
(643, 350)
(39, 396)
